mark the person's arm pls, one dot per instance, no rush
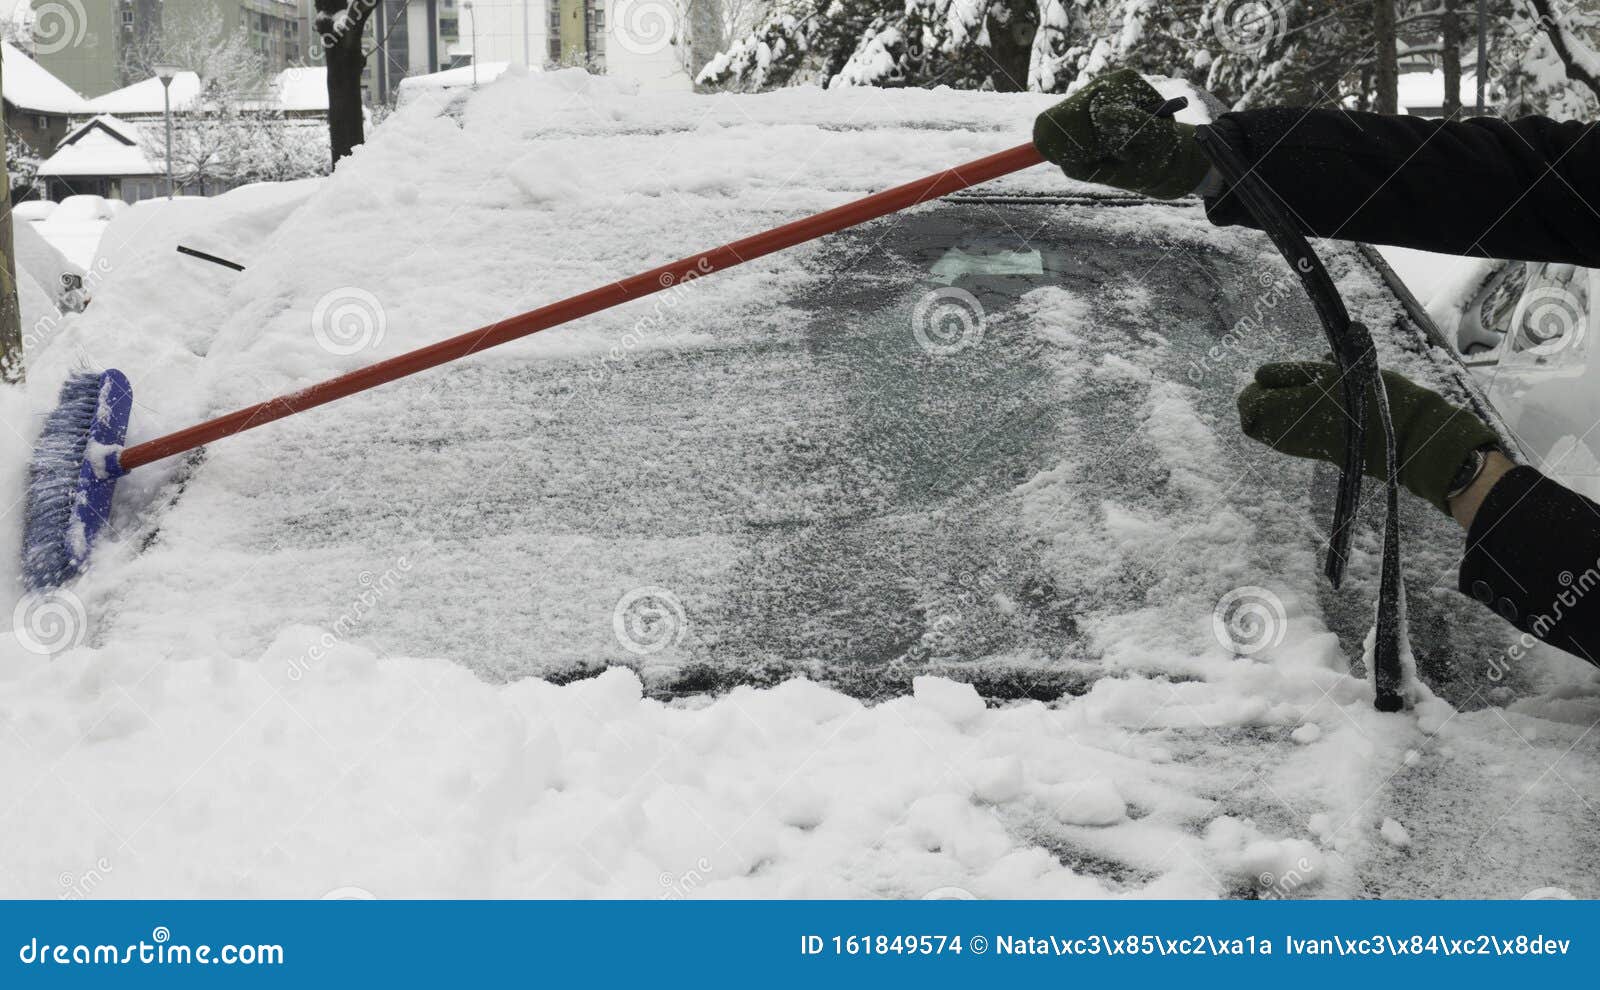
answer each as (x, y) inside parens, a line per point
(1533, 556)
(1484, 187)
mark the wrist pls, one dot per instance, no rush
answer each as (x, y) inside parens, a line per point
(1465, 504)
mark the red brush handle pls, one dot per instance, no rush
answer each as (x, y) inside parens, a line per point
(593, 301)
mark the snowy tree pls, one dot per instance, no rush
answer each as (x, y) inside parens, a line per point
(276, 148)
(23, 165)
(198, 39)
(16, 27)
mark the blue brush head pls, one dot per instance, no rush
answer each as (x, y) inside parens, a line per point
(73, 476)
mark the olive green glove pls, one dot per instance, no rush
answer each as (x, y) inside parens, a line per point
(1295, 408)
(1107, 133)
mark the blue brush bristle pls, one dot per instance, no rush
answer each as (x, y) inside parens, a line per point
(73, 475)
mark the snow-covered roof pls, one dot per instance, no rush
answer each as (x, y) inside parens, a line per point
(303, 88)
(101, 146)
(453, 78)
(145, 97)
(30, 86)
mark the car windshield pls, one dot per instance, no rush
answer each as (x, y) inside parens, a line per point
(993, 441)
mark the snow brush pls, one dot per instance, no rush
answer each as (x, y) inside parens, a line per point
(81, 454)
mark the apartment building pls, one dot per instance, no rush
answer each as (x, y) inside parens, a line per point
(88, 53)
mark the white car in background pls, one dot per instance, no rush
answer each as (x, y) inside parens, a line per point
(1525, 329)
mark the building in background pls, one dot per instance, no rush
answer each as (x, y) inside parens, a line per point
(37, 104)
(88, 41)
(410, 38)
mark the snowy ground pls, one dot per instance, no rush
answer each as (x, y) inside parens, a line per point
(300, 664)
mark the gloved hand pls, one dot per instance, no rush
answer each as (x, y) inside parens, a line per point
(1106, 132)
(1294, 407)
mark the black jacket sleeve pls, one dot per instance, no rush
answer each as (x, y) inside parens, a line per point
(1533, 555)
(1484, 187)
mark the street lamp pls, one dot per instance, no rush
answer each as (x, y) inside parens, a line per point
(466, 8)
(167, 73)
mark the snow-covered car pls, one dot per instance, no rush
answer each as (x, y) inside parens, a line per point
(1525, 330)
(925, 556)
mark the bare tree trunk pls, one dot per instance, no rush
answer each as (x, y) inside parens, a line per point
(11, 365)
(1011, 42)
(1386, 77)
(1450, 32)
(345, 57)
